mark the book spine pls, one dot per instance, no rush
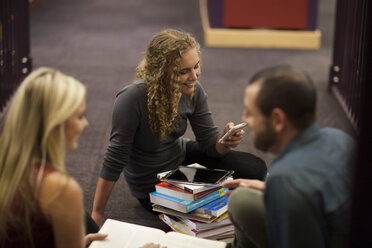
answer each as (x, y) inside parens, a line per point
(189, 223)
(202, 194)
(199, 226)
(205, 200)
(174, 228)
(171, 192)
(181, 226)
(215, 207)
(168, 201)
(194, 191)
(188, 205)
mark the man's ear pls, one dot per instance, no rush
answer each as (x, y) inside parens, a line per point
(279, 120)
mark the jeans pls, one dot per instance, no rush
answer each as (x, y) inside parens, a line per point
(244, 165)
(247, 212)
(90, 224)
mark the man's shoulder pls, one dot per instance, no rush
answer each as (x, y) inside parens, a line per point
(292, 162)
(309, 164)
(327, 144)
(336, 136)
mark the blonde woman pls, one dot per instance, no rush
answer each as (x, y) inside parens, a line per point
(150, 116)
(41, 206)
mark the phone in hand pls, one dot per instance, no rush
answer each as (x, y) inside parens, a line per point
(233, 130)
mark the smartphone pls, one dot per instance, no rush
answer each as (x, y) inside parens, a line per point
(233, 130)
(198, 176)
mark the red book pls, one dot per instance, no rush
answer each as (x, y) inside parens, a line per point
(171, 190)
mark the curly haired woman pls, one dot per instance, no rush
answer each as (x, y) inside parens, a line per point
(41, 206)
(150, 116)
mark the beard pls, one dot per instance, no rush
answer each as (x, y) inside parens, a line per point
(265, 138)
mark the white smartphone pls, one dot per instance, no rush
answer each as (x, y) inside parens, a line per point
(233, 130)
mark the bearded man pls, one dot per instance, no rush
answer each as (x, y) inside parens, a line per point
(305, 199)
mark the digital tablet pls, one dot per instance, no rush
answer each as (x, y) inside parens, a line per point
(199, 176)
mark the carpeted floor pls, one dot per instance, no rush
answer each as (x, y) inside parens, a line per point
(101, 42)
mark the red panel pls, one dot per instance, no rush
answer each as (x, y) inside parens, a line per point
(286, 14)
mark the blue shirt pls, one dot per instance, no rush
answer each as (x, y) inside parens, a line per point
(307, 193)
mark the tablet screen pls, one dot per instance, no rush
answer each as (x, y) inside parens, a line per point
(197, 175)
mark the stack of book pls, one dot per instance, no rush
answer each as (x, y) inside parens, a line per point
(199, 211)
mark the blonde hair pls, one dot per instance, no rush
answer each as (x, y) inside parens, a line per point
(34, 132)
(160, 69)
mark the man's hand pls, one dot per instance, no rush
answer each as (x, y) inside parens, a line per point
(245, 183)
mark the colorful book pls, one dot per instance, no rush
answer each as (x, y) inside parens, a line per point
(171, 190)
(194, 189)
(224, 219)
(174, 228)
(215, 208)
(183, 205)
(205, 218)
(177, 224)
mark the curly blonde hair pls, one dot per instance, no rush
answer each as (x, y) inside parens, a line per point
(160, 69)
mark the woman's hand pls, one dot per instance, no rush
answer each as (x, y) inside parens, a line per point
(89, 238)
(152, 245)
(231, 142)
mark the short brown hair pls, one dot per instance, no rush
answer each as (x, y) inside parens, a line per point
(289, 89)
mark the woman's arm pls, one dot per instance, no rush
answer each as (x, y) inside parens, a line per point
(126, 116)
(103, 192)
(61, 201)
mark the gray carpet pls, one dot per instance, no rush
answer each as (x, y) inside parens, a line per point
(101, 42)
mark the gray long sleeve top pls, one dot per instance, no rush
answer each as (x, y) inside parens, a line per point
(307, 193)
(135, 149)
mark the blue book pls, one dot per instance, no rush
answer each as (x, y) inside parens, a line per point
(214, 208)
(184, 206)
